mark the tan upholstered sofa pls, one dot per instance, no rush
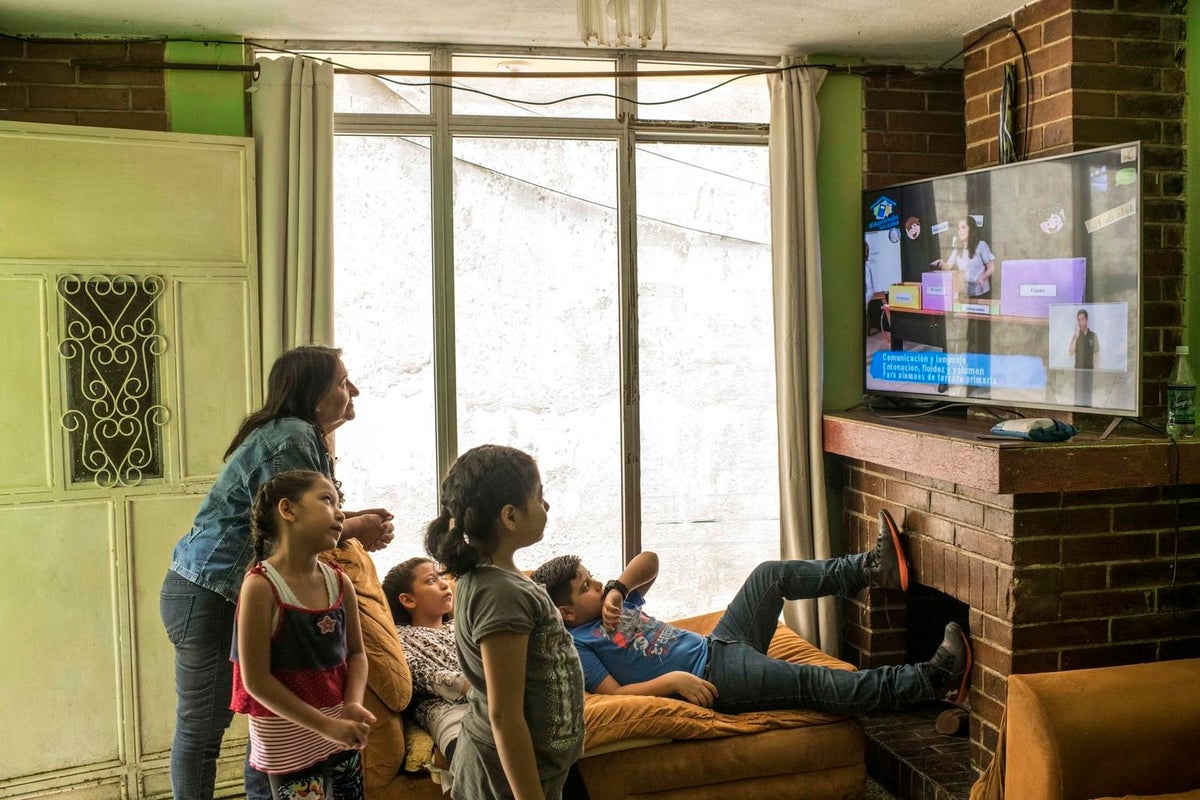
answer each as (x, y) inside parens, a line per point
(1129, 732)
(635, 747)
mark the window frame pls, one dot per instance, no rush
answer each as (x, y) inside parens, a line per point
(442, 127)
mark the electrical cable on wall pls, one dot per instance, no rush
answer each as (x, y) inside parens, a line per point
(1008, 110)
(1005, 134)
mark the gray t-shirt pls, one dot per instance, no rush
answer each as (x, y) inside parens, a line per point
(977, 285)
(490, 600)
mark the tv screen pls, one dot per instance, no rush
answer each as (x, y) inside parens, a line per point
(1016, 285)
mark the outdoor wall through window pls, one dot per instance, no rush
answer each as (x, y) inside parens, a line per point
(587, 280)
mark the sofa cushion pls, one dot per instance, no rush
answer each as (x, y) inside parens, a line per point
(389, 683)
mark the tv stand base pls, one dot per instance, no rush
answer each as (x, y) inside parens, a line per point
(1112, 426)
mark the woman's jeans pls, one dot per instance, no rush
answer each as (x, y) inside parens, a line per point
(199, 624)
(749, 680)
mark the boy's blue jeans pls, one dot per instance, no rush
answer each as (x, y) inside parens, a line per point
(749, 680)
(199, 624)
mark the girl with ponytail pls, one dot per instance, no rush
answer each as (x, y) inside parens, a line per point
(299, 669)
(523, 729)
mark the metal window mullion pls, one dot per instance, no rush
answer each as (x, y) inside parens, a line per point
(384, 125)
(442, 211)
(749, 139)
(627, 291)
(535, 127)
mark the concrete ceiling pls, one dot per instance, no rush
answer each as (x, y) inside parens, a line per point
(905, 31)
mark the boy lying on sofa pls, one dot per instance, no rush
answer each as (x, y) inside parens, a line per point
(626, 651)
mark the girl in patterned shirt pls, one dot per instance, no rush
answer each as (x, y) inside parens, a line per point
(421, 601)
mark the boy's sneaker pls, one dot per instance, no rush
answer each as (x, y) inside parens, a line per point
(887, 565)
(950, 668)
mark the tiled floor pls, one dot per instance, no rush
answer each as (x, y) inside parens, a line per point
(910, 759)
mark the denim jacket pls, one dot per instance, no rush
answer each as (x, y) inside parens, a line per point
(217, 550)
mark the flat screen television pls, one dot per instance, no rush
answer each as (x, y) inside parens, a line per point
(1017, 285)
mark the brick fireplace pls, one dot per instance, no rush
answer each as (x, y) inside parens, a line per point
(1063, 554)
(1066, 556)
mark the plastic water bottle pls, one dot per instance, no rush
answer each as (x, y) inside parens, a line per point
(1181, 397)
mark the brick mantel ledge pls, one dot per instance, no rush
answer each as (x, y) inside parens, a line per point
(949, 448)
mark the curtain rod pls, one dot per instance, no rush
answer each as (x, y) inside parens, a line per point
(449, 73)
(437, 73)
(160, 65)
(628, 73)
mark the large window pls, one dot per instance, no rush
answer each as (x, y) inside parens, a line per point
(567, 279)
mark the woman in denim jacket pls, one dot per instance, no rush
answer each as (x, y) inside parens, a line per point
(309, 395)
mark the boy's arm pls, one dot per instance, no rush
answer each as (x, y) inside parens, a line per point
(639, 574)
(690, 687)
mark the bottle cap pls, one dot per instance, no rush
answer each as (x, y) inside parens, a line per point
(1181, 350)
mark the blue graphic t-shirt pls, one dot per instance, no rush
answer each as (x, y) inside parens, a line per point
(640, 649)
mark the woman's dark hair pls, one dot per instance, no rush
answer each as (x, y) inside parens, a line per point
(299, 379)
(972, 235)
(264, 522)
(398, 581)
(482, 481)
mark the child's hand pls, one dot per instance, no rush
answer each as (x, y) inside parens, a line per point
(357, 712)
(610, 612)
(349, 733)
(692, 688)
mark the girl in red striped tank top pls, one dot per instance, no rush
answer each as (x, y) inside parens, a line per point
(299, 670)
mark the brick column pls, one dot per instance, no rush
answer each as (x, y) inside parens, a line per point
(1103, 72)
(912, 125)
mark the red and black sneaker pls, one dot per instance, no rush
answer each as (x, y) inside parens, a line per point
(950, 668)
(887, 565)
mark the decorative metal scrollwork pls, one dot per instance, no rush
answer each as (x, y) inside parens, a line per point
(111, 346)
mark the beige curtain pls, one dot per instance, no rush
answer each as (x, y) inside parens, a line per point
(292, 111)
(796, 263)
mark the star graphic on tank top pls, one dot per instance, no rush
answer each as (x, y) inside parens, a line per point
(326, 624)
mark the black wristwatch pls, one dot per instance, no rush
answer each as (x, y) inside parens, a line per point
(620, 587)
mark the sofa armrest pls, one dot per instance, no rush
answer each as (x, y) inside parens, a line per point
(1111, 731)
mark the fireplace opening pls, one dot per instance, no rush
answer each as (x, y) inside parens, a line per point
(906, 752)
(928, 611)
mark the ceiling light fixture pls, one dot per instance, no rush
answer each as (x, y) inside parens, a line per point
(651, 17)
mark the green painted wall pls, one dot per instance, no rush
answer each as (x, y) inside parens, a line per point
(839, 192)
(1192, 126)
(203, 101)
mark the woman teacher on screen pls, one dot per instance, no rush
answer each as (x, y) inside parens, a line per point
(973, 256)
